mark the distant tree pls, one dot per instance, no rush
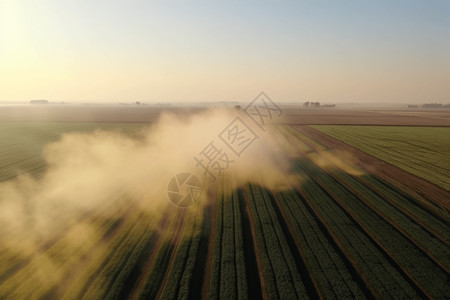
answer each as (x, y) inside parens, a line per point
(315, 104)
(306, 104)
(138, 103)
(39, 101)
(432, 105)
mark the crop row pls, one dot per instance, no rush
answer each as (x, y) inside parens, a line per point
(414, 229)
(409, 257)
(400, 142)
(281, 277)
(402, 148)
(33, 166)
(373, 265)
(326, 266)
(161, 262)
(406, 213)
(110, 279)
(50, 266)
(434, 219)
(181, 272)
(228, 275)
(397, 230)
(31, 244)
(423, 209)
(102, 256)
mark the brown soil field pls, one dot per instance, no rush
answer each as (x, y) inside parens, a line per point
(87, 113)
(367, 117)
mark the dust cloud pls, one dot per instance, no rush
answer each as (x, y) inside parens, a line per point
(341, 160)
(101, 174)
(106, 171)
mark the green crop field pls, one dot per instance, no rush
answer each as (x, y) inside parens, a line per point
(22, 143)
(334, 232)
(422, 151)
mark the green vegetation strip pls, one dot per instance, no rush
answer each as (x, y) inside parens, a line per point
(281, 275)
(22, 143)
(373, 265)
(326, 267)
(228, 276)
(180, 275)
(422, 151)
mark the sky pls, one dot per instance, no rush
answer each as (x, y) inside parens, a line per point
(174, 51)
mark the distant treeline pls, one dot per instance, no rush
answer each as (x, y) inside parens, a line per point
(39, 101)
(429, 105)
(317, 104)
(44, 102)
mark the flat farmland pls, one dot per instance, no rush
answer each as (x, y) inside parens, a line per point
(22, 143)
(347, 223)
(293, 115)
(422, 151)
(394, 117)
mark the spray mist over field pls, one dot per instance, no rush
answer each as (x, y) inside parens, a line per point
(48, 222)
(90, 172)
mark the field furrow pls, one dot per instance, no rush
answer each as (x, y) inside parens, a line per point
(325, 263)
(274, 250)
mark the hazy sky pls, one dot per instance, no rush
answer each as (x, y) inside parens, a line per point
(328, 51)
